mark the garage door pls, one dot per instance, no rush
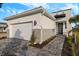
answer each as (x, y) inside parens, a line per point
(22, 30)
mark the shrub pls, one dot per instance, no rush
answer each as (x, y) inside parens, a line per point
(69, 40)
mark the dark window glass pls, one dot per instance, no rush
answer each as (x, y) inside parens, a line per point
(65, 25)
(60, 16)
(35, 23)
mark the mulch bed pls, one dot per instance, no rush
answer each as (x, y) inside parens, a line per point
(43, 44)
(3, 38)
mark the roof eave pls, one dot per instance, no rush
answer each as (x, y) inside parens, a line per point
(62, 10)
(30, 12)
(26, 13)
(48, 15)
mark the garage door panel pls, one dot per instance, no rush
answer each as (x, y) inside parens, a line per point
(22, 31)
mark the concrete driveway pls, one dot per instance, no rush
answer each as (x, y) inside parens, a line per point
(15, 47)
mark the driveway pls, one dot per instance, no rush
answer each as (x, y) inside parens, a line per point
(15, 47)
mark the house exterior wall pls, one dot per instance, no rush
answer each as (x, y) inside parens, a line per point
(48, 33)
(1, 29)
(69, 27)
(37, 35)
(43, 29)
(26, 19)
(63, 20)
(48, 26)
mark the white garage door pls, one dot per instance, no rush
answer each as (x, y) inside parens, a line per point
(22, 30)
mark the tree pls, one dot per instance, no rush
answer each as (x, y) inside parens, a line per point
(74, 19)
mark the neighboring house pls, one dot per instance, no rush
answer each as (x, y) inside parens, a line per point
(3, 32)
(38, 23)
(2, 26)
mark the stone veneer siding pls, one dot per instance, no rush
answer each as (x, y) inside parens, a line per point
(37, 35)
(46, 34)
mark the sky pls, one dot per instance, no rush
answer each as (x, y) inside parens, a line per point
(9, 9)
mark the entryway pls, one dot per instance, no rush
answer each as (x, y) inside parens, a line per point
(60, 28)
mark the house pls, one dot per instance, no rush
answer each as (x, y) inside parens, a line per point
(38, 24)
(62, 21)
(2, 26)
(3, 32)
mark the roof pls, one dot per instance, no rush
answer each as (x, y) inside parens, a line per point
(2, 24)
(30, 12)
(62, 10)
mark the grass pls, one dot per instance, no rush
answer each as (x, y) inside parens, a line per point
(43, 44)
(69, 40)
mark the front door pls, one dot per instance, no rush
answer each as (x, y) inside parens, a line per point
(60, 28)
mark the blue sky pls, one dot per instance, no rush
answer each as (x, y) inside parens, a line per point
(9, 9)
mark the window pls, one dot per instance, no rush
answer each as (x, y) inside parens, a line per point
(35, 23)
(65, 25)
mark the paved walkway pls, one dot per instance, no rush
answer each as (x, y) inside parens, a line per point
(54, 48)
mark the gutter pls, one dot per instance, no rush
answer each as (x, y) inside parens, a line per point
(30, 12)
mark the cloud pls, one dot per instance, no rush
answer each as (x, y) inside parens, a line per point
(13, 11)
(75, 8)
(49, 7)
(45, 5)
(20, 11)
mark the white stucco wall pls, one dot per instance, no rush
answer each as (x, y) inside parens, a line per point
(23, 28)
(48, 28)
(67, 12)
(43, 22)
(68, 15)
(25, 19)
(47, 23)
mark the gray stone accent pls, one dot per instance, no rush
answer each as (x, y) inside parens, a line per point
(46, 34)
(37, 35)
